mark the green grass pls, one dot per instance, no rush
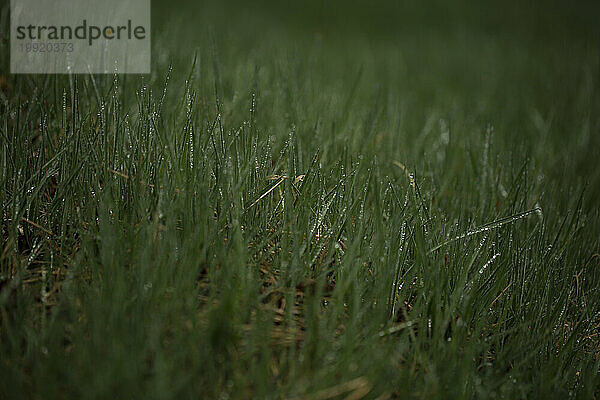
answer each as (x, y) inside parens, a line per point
(338, 204)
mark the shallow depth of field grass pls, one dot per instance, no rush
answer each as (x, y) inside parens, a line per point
(316, 201)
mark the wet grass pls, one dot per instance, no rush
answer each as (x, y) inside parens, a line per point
(289, 211)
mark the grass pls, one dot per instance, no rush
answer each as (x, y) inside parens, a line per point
(322, 206)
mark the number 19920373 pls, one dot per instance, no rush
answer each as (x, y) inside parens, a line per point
(46, 47)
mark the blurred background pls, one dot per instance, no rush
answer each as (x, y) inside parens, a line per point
(381, 75)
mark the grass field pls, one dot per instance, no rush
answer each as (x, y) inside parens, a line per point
(313, 201)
